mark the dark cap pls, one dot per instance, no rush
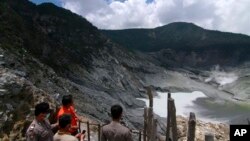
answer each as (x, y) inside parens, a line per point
(42, 108)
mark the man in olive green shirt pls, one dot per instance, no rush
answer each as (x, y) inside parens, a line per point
(115, 131)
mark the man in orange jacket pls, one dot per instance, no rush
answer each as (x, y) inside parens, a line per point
(68, 108)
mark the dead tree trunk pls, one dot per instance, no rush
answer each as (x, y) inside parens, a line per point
(173, 119)
(150, 123)
(168, 119)
(191, 127)
(145, 124)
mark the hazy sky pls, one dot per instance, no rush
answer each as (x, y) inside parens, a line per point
(223, 15)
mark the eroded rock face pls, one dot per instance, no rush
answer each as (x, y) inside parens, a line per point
(26, 81)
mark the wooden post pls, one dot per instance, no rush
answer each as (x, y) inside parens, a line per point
(145, 124)
(150, 124)
(150, 96)
(191, 127)
(209, 137)
(79, 126)
(99, 132)
(168, 118)
(139, 135)
(154, 130)
(88, 131)
(169, 95)
(173, 119)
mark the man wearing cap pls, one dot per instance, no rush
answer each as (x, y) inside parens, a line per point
(40, 129)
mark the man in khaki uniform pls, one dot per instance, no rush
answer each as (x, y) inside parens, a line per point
(40, 129)
(115, 131)
(64, 132)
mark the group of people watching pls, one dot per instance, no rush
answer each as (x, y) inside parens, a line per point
(67, 124)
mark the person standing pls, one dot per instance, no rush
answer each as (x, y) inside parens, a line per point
(115, 131)
(68, 108)
(40, 128)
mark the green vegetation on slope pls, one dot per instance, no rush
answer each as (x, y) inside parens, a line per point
(177, 35)
(57, 36)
